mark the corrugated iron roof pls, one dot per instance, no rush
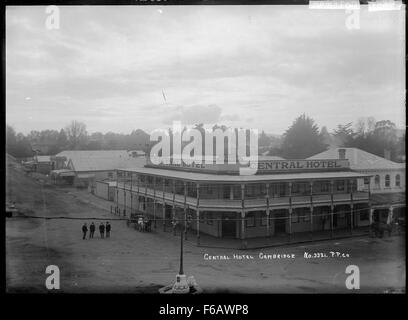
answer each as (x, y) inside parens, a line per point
(99, 160)
(360, 159)
(42, 158)
(388, 198)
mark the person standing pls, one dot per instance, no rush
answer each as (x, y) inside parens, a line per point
(102, 230)
(84, 230)
(91, 230)
(108, 229)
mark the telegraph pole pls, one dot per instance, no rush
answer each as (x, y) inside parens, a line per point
(181, 250)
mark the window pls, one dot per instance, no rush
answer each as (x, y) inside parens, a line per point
(306, 215)
(398, 180)
(295, 217)
(353, 186)
(377, 182)
(340, 185)
(227, 192)
(250, 220)
(364, 215)
(207, 189)
(387, 181)
(209, 218)
(282, 189)
(263, 219)
(110, 175)
(300, 188)
(325, 187)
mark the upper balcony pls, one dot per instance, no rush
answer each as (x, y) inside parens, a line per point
(260, 202)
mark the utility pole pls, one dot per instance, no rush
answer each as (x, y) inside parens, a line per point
(181, 249)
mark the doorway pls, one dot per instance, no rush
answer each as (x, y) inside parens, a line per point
(229, 225)
(280, 221)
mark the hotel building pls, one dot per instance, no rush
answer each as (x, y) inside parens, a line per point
(283, 198)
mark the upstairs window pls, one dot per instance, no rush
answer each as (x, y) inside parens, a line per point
(325, 187)
(387, 181)
(340, 185)
(377, 182)
(398, 180)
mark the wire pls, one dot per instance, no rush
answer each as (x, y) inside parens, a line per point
(192, 219)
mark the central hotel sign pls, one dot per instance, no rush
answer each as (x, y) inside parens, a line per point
(301, 165)
(263, 166)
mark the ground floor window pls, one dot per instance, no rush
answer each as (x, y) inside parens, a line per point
(250, 220)
(296, 216)
(263, 219)
(209, 218)
(306, 215)
(364, 215)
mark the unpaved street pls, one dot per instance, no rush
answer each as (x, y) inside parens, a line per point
(131, 261)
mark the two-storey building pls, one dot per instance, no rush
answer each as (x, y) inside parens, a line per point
(284, 197)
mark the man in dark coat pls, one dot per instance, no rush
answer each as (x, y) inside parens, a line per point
(91, 230)
(108, 229)
(102, 230)
(84, 230)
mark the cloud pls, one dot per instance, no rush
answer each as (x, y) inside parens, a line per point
(209, 114)
(230, 117)
(270, 63)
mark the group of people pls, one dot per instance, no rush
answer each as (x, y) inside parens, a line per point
(102, 229)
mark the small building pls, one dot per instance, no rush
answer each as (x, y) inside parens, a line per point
(42, 164)
(105, 189)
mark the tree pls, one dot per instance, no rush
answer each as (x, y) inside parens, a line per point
(326, 137)
(365, 126)
(264, 140)
(17, 144)
(344, 135)
(62, 140)
(373, 137)
(76, 134)
(302, 139)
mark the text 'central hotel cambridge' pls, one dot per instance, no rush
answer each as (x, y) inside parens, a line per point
(285, 199)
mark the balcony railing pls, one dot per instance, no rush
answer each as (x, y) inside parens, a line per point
(250, 203)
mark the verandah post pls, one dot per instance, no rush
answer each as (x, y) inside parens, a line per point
(198, 214)
(268, 231)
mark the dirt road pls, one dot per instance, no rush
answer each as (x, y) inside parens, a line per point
(132, 261)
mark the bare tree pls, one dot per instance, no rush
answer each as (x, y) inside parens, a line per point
(76, 134)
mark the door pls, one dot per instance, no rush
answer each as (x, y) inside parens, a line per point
(280, 221)
(229, 226)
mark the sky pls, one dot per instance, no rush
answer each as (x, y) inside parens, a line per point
(127, 67)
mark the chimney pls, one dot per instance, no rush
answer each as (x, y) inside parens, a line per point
(342, 154)
(387, 154)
